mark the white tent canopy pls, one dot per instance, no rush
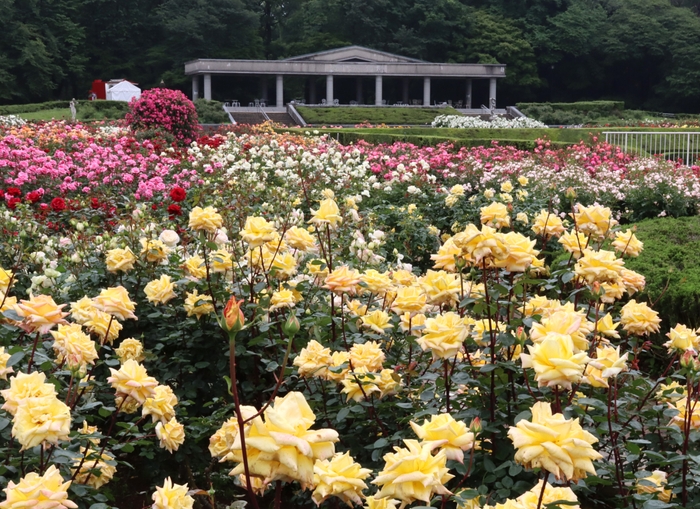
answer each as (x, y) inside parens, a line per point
(123, 91)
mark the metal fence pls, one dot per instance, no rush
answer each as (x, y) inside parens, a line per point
(670, 145)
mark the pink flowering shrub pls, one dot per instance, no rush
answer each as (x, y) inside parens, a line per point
(162, 108)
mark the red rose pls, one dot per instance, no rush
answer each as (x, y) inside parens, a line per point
(58, 204)
(13, 191)
(33, 197)
(178, 193)
(174, 210)
(44, 206)
(2, 193)
(94, 203)
(12, 203)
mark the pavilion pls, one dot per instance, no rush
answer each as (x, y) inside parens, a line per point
(351, 61)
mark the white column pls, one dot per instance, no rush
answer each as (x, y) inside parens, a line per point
(207, 87)
(195, 87)
(468, 103)
(280, 91)
(426, 91)
(378, 89)
(492, 93)
(329, 90)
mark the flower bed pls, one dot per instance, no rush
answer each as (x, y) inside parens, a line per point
(391, 326)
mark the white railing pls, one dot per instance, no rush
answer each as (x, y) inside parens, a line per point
(261, 110)
(670, 145)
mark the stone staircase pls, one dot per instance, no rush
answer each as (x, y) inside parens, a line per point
(258, 118)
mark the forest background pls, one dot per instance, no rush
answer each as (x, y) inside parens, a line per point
(645, 52)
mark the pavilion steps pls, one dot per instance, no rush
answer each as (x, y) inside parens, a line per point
(258, 118)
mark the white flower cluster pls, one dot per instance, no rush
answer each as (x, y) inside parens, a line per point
(11, 121)
(461, 122)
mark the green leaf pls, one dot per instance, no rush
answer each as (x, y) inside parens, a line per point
(14, 359)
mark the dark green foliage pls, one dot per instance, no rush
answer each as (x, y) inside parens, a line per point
(671, 266)
(211, 112)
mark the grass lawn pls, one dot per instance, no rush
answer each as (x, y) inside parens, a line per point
(383, 115)
(57, 113)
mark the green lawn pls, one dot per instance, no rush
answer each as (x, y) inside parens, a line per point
(57, 113)
(383, 115)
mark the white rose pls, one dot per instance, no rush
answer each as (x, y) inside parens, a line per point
(169, 237)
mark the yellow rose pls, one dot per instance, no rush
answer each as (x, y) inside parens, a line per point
(413, 322)
(680, 419)
(389, 382)
(339, 477)
(495, 215)
(95, 471)
(40, 491)
(639, 319)
(116, 302)
(4, 370)
(376, 282)
(627, 244)
(73, 346)
(607, 363)
(440, 287)
(521, 217)
(40, 313)
(327, 213)
(554, 361)
(413, 473)
(682, 338)
(257, 231)
(519, 255)
(482, 329)
(381, 503)
(337, 371)
(367, 355)
(443, 335)
(172, 496)
(523, 181)
(449, 435)
(5, 278)
(403, 277)
(655, 483)
(342, 280)
(409, 299)
(633, 281)
(360, 384)
(41, 419)
(103, 325)
(198, 305)
(447, 256)
(551, 442)
(154, 250)
(574, 243)
(130, 348)
(607, 327)
(599, 266)
(377, 321)
(671, 392)
(195, 267)
(160, 291)
(171, 435)
(282, 298)
(594, 220)
(220, 443)
(131, 379)
(220, 261)
(284, 266)
(300, 238)
(120, 260)
(551, 495)
(506, 186)
(564, 322)
(82, 310)
(207, 219)
(160, 406)
(24, 386)
(313, 360)
(538, 305)
(548, 224)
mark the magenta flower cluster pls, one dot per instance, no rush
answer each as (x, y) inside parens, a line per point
(163, 108)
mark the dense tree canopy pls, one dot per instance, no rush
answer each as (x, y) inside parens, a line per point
(645, 52)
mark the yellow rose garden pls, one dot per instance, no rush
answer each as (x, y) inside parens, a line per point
(298, 332)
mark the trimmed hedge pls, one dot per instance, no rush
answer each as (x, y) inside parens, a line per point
(671, 266)
(99, 106)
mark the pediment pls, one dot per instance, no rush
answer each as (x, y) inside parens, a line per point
(353, 54)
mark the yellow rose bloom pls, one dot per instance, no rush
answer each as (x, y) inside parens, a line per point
(380, 503)
(131, 379)
(409, 299)
(633, 281)
(339, 477)
(554, 361)
(116, 302)
(655, 483)
(126, 404)
(599, 266)
(172, 496)
(403, 277)
(627, 243)
(120, 260)
(220, 261)
(130, 348)
(607, 363)
(551, 495)
(612, 292)
(639, 319)
(594, 220)
(338, 359)
(360, 383)
(207, 219)
(73, 346)
(607, 327)
(443, 335)
(376, 282)
(160, 291)
(682, 338)
(451, 200)
(413, 473)
(574, 242)
(539, 305)
(284, 266)
(95, 471)
(342, 280)
(521, 217)
(413, 322)
(82, 310)
(4, 369)
(41, 419)
(523, 181)
(548, 224)
(154, 250)
(103, 325)
(495, 215)
(161, 406)
(300, 238)
(506, 186)
(377, 321)
(40, 313)
(313, 360)
(519, 255)
(447, 256)
(198, 305)
(440, 287)
(195, 267)
(389, 382)
(671, 392)
(40, 491)
(171, 435)
(556, 444)
(24, 386)
(222, 440)
(367, 355)
(5, 277)
(482, 329)
(565, 322)
(257, 231)
(283, 298)
(327, 213)
(680, 419)
(449, 435)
